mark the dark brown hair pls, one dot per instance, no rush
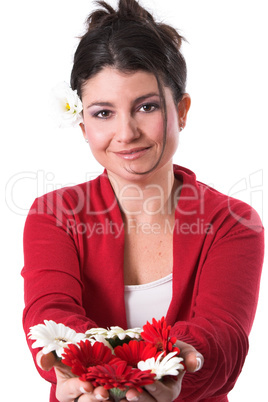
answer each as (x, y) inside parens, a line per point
(129, 39)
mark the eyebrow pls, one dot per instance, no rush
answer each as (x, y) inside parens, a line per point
(137, 100)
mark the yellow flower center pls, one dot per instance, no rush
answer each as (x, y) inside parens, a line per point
(68, 106)
(61, 340)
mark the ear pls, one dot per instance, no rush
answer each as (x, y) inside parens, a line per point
(82, 126)
(183, 108)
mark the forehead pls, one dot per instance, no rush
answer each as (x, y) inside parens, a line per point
(112, 81)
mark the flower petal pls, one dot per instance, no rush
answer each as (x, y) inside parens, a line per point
(66, 106)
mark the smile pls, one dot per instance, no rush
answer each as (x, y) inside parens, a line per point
(133, 153)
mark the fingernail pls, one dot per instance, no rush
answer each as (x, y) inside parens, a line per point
(101, 398)
(134, 399)
(83, 391)
(198, 364)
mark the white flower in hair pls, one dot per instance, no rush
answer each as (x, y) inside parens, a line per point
(169, 365)
(66, 106)
(53, 337)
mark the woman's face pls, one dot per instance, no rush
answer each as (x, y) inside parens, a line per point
(124, 125)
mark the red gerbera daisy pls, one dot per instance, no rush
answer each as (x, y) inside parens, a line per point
(157, 334)
(135, 351)
(83, 355)
(118, 374)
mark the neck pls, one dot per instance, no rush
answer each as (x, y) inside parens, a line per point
(147, 198)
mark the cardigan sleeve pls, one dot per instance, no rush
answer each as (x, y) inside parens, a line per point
(223, 310)
(52, 276)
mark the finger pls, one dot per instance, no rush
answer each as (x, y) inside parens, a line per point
(101, 394)
(91, 398)
(141, 397)
(193, 360)
(45, 362)
(48, 361)
(70, 388)
(159, 391)
(133, 395)
(166, 391)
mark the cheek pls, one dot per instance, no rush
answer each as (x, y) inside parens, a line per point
(173, 122)
(153, 127)
(97, 139)
(173, 130)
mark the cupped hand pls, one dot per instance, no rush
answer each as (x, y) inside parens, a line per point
(70, 387)
(169, 390)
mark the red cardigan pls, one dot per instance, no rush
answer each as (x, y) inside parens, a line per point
(73, 271)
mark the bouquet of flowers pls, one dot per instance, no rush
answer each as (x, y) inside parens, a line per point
(114, 358)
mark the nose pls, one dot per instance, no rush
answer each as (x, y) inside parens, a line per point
(126, 129)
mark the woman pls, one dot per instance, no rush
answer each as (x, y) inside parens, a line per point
(145, 226)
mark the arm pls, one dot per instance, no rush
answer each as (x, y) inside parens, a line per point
(52, 277)
(223, 309)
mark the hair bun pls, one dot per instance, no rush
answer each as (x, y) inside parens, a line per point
(100, 17)
(128, 10)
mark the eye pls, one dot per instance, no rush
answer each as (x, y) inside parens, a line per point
(103, 114)
(149, 107)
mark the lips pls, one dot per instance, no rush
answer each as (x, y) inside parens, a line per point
(132, 153)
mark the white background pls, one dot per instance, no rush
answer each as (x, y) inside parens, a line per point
(224, 142)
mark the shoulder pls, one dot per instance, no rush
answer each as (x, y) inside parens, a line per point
(92, 201)
(71, 198)
(220, 210)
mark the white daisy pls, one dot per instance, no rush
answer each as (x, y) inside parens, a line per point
(96, 331)
(53, 337)
(170, 365)
(98, 338)
(121, 333)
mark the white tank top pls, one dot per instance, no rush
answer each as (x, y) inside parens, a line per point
(147, 301)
